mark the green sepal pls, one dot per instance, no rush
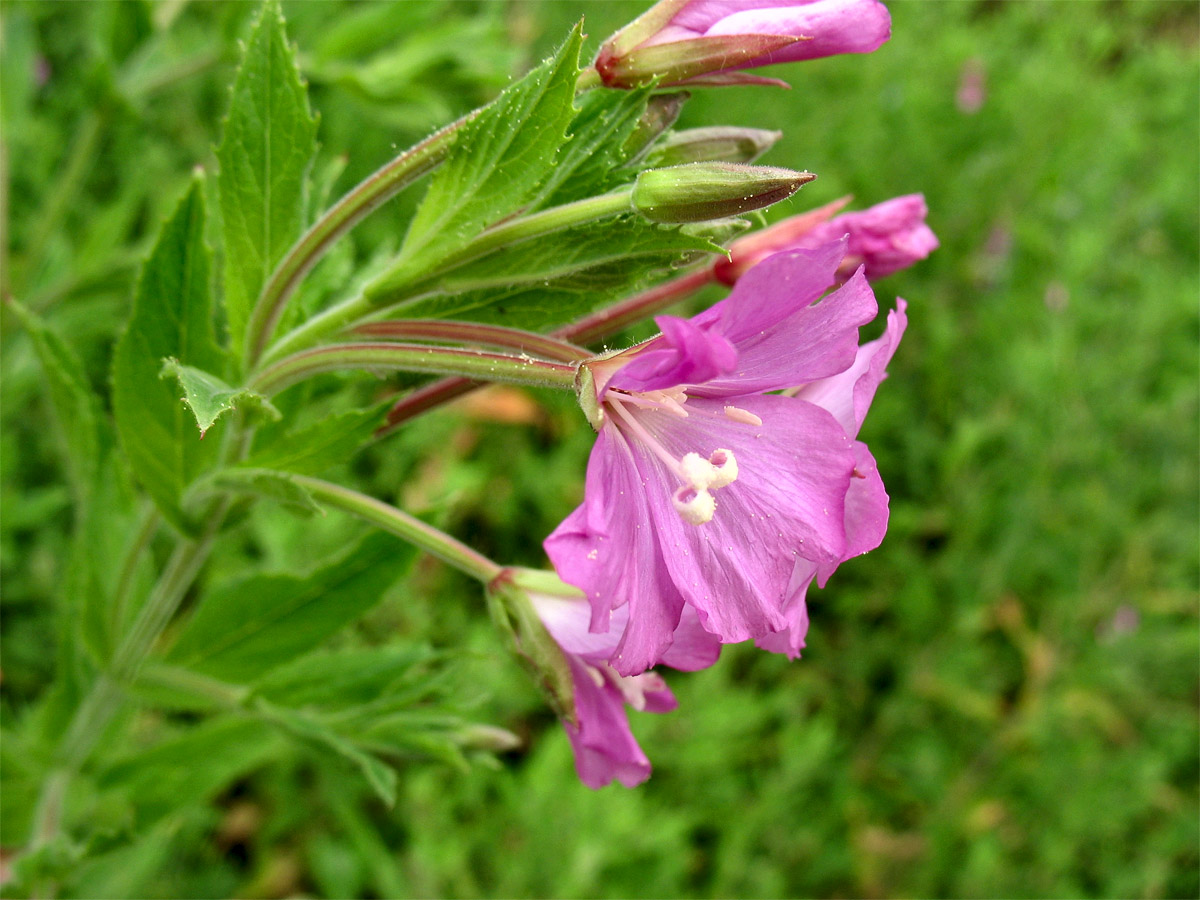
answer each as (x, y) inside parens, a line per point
(513, 613)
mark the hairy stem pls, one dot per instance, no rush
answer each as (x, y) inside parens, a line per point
(473, 333)
(587, 330)
(368, 196)
(386, 357)
(404, 526)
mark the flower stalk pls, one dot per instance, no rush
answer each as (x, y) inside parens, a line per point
(397, 357)
(364, 199)
(402, 525)
(456, 332)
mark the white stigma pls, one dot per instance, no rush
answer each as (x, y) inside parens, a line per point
(697, 471)
(694, 506)
(724, 468)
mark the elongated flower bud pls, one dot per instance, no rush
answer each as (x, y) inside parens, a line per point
(661, 112)
(720, 144)
(700, 191)
(884, 238)
(708, 41)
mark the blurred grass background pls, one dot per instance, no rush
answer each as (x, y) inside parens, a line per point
(1000, 701)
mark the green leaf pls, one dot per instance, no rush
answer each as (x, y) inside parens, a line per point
(629, 240)
(563, 276)
(190, 769)
(314, 448)
(266, 150)
(590, 163)
(345, 678)
(172, 317)
(75, 406)
(381, 777)
(208, 397)
(250, 625)
(500, 161)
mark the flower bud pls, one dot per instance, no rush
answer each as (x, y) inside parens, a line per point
(661, 112)
(701, 191)
(884, 238)
(720, 144)
(707, 41)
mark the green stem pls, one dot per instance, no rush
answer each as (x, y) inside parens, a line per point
(473, 333)
(385, 357)
(409, 283)
(588, 330)
(142, 537)
(408, 528)
(347, 212)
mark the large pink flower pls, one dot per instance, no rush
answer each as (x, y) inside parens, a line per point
(604, 747)
(706, 492)
(707, 41)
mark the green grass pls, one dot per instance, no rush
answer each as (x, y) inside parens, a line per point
(1000, 701)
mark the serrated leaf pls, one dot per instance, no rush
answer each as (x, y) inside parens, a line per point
(278, 486)
(208, 397)
(627, 239)
(590, 163)
(381, 777)
(172, 317)
(267, 147)
(500, 160)
(349, 678)
(246, 627)
(566, 275)
(314, 448)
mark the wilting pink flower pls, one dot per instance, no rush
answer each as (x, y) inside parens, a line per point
(707, 41)
(604, 747)
(705, 491)
(883, 239)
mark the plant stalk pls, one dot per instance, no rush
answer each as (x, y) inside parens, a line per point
(394, 357)
(364, 199)
(409, 528)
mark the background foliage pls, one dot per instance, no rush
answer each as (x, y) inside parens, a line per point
(1000, 701)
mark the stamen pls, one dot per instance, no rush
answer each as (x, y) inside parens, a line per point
(725, 468)
(744, 416)
(695, 507)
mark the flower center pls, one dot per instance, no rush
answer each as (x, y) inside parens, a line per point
(700, 476)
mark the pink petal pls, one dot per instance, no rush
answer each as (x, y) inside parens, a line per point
(607, 548)
(848, 394)
(604, 746)
(787, 503)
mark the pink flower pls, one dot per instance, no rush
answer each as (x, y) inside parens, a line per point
(883, 239)
(604, 747)
(708, 494)
(706, 41)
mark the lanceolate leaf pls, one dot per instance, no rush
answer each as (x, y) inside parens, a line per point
(310, 729)
(246, 627)
(208, 397)
(265, 153)
(565, 275)
(76, 410)
(590, 162)
(500, 159)
(539, 261)
(172, 317)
